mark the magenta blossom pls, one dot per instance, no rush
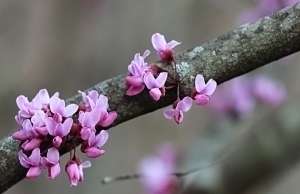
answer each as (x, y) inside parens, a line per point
(269, 91)
(179, 107)
(60, 110)
(33, 163)
(157, 172)
(99, 104)
(204, 90)
(95, 144)
(156, 85)
(88, 122)
(137, 69)
(28, 109)
(52, 163)
(234, 98)
(164, 48)
(74, 170)
(58, 130)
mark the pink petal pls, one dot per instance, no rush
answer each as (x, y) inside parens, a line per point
(110, 118)
(70, 110)
(185, 104)
(31, 144)
(20, 135)
(35, 156)
(22, 102)
(210, 87)
(201, 99)
(178, 117)
(54, 171)
(23, 159)
(169, 113)
(134, 81)
(64, 128)
(161, 79)
(33, 172)
(53, 155)
(85, 133)
(86, 164)
(172, 44)
(158, 41)
(94, 152)
(50, 125)
(199, 83)
(146, 53)
(57, 105)
(101, 138)
(155, 93)
(132, 91)
(150, 81)
(42, 97)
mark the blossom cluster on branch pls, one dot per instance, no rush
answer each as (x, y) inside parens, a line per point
(142, 75)
(46, 123)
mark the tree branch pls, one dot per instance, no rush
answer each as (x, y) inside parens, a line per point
(234, 53)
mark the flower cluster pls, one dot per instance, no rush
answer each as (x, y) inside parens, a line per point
(157, 172)
(237, 98)
(46, 123)
(265, 8)
(141, 75)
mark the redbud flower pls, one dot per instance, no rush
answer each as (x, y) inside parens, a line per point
(74, 170)
(204, 90)
(52, 163)
(137, 69)
(164, 49)
(88, 122)
(99, 104)
(95, 144)
(58, 130)
(157, 172)
(179, 107)
(156, 85)
(33, 163)
(59, 109)
(269, 91)
(234, 98)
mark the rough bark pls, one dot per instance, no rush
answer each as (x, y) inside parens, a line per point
(232, 54)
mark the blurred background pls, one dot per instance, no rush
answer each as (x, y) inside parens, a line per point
(69, 45)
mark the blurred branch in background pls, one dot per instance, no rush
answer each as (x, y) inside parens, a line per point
(250, 155)
(232, 54)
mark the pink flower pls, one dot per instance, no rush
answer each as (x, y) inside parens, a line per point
(99, 104)
(95, 144)
(33, 163)
(157, 172)
(137, 69)
(74, 170)
(88, 122)
(156, 85)
(204, 91)
(269, 91)
(28, 109)
(52, 163)
(58, 130)
(176, 112)
(234, 98)
(93, 99)
(164, 49)
(60, 110)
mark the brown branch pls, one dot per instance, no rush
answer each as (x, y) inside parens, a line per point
(234, 53)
